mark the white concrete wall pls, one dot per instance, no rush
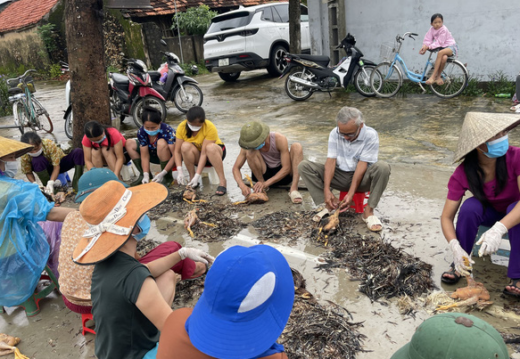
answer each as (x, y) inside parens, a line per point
(487, 31)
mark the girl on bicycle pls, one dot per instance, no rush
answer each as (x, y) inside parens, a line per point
(104, 146)
(155, 143)
(439, 37)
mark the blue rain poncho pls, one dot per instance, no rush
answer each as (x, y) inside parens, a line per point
(23, 246)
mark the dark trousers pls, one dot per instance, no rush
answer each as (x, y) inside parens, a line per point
(472, 215)
(74, 158)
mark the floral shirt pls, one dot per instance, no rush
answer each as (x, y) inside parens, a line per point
(166, 132)
(51, 152)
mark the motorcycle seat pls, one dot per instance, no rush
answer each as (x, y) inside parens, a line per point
(154, 75)
(120, 79)
(320, 60)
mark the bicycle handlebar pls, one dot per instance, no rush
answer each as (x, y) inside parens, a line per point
(20, 77)
(409, 34)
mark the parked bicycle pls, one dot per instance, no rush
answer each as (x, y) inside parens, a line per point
(27, 110)
(387, 77)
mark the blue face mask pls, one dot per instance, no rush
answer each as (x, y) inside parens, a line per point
(498, 147)
(259, 147)
(101, 140)
(152, 133)
(144, 226)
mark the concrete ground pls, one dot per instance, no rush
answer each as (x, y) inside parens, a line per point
(418, 134)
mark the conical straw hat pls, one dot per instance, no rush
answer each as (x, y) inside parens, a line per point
(8, 147)
(478, 127)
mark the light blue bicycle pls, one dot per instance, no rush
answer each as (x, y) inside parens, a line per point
(387, 77)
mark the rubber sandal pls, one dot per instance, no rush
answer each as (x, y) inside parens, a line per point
(449, 280)
(318, 216)
(295, 195)
(513, 283)
(515, 107)
(372, 221)
(221, 189)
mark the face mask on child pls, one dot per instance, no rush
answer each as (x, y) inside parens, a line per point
(498, 147)
(144, 225)
(194, 128)
(101, 140)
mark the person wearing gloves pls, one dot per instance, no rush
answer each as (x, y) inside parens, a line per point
(47, 160)
(198, 145)
(130, 301)
(247, 300)
(490, 170)
(155, 143)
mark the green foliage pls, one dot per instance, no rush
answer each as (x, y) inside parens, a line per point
(473, 88)
(195, 21)
(187, 68)
(46, 34)
(112, 68)
(500, 84)
(5, 108)
(55, 71)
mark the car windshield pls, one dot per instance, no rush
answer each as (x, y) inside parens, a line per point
(229, 21)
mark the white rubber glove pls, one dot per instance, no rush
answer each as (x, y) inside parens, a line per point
(195, 254)
(490, 240)
(49, 189)
(194, 181)
(458, 258)
(159, 176)
(146, 178)
(180, 176)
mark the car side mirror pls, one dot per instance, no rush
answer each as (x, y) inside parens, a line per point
(163, 42)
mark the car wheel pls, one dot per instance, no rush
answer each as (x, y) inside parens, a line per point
(231, 77)
(277, 61)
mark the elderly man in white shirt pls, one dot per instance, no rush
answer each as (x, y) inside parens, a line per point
(351, 166)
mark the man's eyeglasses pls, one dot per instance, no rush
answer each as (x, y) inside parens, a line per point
(349, 135)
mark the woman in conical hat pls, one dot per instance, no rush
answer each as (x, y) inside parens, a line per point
(490, 170)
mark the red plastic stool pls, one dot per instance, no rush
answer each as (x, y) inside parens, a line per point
(86, 315)
(359, 200)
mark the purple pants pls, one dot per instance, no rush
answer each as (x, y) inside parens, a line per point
(472, 215)
(74, 158)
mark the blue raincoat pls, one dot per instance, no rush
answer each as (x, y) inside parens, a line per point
(23, 245)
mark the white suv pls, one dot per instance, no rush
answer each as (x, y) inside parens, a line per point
(252, 38)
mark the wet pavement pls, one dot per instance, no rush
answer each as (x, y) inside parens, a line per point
(418, 134)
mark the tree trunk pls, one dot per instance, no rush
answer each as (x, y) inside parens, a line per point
(89, 90)
(294, 27)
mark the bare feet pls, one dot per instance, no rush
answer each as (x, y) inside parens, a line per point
(430, 81)
(439, 82)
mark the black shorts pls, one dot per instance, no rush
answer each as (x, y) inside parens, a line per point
(271, 172)
(208, 163)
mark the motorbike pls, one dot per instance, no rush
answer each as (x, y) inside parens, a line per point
(130, 93)
(177, 88)
(310, 73)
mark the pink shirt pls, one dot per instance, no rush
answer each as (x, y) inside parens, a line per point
(458, 183)
(115, 137)
(438, 38)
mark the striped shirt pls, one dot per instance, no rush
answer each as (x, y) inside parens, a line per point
(347, 154)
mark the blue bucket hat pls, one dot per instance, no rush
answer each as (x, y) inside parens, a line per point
(247, 300)
(92, 180)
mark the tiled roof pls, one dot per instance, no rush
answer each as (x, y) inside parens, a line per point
(166, 7)
(23, 13)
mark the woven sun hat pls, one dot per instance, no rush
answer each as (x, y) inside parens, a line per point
(479, 127)
(111, 212)
(247, 299)
(253, 134)
(9, 147)
(92, 180)
(454, 335)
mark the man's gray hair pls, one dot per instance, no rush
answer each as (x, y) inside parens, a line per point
(347, 114)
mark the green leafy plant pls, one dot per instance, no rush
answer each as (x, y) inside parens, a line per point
(46, 34)
(500, 83)
(55, 71)
(194, 21)
(188, 68)
(5, 108)
(473, 88)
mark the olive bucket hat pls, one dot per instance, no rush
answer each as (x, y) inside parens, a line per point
(253, 134)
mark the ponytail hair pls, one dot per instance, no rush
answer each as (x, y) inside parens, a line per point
(95, 129)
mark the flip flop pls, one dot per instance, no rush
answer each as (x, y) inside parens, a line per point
(449, 280)
(515, 107)
(295, 195)
(372, 221)
(513, 283)
(221, 189)
(318, 216)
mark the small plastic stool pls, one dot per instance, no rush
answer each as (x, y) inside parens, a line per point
(86, 315)
(31, 305)
(359, 200)
(64, 178)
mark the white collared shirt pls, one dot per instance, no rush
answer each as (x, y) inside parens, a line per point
(347, 154)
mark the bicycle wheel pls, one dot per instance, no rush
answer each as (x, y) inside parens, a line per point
(455, 77)
(386, 79)
(362, 81)
(43, 120)
(19, 116)
(297, 91)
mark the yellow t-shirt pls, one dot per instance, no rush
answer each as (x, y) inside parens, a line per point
(207, 132)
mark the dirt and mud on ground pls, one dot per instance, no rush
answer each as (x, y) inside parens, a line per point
(418, 135)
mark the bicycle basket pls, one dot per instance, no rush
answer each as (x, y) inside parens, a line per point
(30, 84)
(387, 51)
